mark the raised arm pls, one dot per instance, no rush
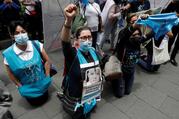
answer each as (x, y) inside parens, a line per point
(69, 12)
(113, 13)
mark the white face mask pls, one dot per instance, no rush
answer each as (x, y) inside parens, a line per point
(21, 38)
(85, 45)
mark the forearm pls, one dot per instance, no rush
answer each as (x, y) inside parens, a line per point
(147, 37)
(66, 31)
(127, 6)
(47, 68)
(116, 15)
(170, 34)
(12, 77)
(16, 82)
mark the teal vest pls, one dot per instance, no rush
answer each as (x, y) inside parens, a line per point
(87, 107)
(30, 73)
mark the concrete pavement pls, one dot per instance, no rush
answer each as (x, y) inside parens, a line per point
(154, 96)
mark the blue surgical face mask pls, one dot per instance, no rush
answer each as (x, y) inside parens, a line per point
(85, 45)
(21, 38)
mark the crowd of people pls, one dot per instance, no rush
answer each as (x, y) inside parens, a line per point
(28, 12)
(84, 57)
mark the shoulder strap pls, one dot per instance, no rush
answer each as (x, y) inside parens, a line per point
(95, 9)
(37, 48)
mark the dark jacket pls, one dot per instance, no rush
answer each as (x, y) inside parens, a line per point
(126, 42)
(137, 6)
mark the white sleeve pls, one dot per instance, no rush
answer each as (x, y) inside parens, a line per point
(41, 46)
(5, 61)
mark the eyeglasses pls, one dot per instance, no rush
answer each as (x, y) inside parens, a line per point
(85, 38)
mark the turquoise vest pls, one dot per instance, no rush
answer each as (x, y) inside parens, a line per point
(87, 106)
(30, 73)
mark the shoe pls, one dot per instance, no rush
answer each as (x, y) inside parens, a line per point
(60, 95)
(7, 115)
(173, 61)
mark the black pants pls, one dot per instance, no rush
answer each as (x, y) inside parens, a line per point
(118, 87)
(39, 100)
(175, 50)
(79, 114)
(128, 77)
(175, 31)
(94, 36)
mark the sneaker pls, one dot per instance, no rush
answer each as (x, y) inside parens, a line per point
(7, 115)
(173, 61)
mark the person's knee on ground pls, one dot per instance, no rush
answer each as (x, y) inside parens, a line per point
(39, 100)
(118, 87)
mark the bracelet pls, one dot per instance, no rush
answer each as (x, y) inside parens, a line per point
(67, 26)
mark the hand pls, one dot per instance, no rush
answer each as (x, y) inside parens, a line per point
(144, 16)
(18, 85)
(70, 12)
(123, 9)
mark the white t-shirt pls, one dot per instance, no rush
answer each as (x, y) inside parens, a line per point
(91, 12)
(24, 55)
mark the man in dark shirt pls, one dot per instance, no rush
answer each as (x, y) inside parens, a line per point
(137, 5)
(173, 7)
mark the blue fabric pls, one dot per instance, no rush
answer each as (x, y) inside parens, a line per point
(3, 7)
(81, 58)
(84, 2)
(36, 89)
(30, 73)
(13, 4)
(160, 23)
(87, 106)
